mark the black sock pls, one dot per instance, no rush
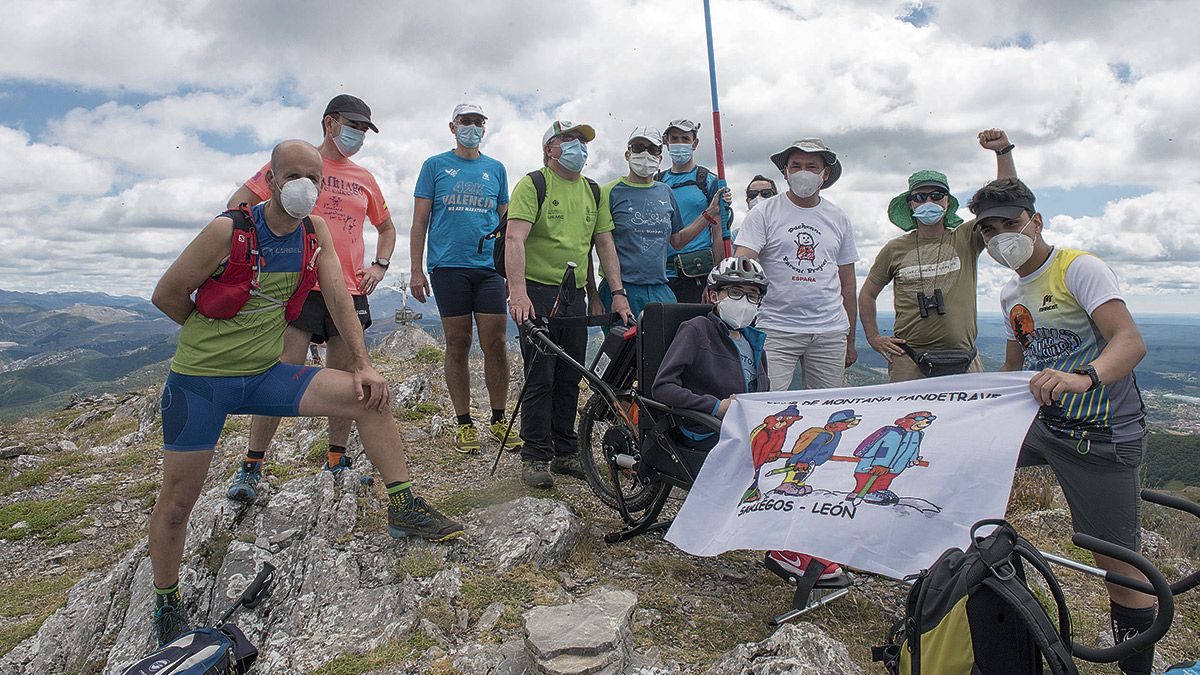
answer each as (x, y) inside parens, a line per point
(464, 419)
(165, 596)
(497, 415)
(1126, 623)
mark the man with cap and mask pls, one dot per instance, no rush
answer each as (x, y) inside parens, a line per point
(695, 188)
(933, 271)
(646, 223)
(349, 196)
(806, 245)
(545, 232)
(460, 196)
(1066, 318)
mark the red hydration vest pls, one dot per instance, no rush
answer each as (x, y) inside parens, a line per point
(224, 294)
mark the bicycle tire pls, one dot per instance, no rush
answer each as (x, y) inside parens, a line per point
(596, 422)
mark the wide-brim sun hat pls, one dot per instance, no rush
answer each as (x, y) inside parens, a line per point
(899, 211)
(816, 145)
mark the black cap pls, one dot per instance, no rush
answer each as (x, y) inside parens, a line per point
(1008, 209)
(352, 108)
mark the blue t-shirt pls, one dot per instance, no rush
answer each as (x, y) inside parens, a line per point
(691, 202)
(644, 217)
(746, 356)
(465, 194)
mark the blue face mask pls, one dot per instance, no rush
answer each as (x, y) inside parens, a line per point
(929, 213)
(349, 140)
(681, 153)
(468, 135)
(574, 155)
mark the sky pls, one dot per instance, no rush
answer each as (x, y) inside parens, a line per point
(126, 125)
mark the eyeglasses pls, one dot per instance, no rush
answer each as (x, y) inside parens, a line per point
(765, 192)
(737, 294)
(655, 150)
(922, 197)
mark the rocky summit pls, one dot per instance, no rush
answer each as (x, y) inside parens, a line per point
(531, 588)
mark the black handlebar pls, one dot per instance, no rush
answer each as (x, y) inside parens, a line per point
(1158, 587)
(1187, 506)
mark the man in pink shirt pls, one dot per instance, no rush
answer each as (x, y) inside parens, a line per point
(349, 196)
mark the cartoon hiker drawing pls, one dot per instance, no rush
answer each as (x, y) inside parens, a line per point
(813, 448)
(766, 444)
(885, 454)
(806, 247)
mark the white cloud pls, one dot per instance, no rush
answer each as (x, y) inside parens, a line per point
(888, 96)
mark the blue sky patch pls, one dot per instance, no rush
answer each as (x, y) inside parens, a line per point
(919, 14)
(30, 105)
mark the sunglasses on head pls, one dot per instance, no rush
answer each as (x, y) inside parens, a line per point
(765, 192)
(655, 150)
(922, 197)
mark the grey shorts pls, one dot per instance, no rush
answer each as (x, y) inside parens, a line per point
(1100, 480)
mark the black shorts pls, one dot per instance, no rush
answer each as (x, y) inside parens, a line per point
(314, 317)
(460, 291)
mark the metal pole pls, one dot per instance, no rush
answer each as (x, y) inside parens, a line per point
(719, 146)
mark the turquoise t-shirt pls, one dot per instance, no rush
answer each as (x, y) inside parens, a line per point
(692, 201)
(643, 217)
(465, 195)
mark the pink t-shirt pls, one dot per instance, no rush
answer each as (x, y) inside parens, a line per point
(349, 195)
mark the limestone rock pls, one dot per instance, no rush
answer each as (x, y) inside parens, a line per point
(405, 342)
(794, 649)
(541, 531)
(589, 636)
(24, 463)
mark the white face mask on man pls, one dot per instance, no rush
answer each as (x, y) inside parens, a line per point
(805, 184)
(644, 164)
(298, 197)
(1012, 249)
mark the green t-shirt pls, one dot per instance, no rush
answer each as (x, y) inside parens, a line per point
(562, 229)
(948, 262)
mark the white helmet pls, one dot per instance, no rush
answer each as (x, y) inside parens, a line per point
(738, 270)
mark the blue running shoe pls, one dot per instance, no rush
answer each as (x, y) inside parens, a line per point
(170, 621)
(244, 486)
(342, 465)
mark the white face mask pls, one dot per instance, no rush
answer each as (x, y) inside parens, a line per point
(1011, 249)
(805, 184)
(644, 164)
(298, 197)
(755, 202)
(737, 314)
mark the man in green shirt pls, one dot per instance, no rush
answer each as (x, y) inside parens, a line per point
(932, 268)
(540, 240)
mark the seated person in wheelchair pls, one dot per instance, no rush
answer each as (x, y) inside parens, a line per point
(717, 356)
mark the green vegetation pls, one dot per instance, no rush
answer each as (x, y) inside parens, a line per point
(419, 564)
(422, 410)
(430, 355)
(1171, 460)
(44, 516)
(392, 653)
(40, 475)
(464, 500)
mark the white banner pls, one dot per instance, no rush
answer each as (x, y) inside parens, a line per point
(881, 478)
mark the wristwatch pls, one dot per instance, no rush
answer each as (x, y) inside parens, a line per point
(382, 262)
(621, 292)
(1090, 371)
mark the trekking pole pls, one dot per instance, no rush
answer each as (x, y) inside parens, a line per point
(566, 285)
(718, 244)
(255, 593)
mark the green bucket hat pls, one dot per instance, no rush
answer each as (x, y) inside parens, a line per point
(900, 213)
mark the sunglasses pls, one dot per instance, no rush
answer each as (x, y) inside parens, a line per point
(765, 192)
(655, 150)
(922, 197)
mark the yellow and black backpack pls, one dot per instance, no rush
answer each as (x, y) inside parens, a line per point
(972, 613)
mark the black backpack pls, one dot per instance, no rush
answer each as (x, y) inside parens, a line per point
(497, 235)
(701, 183)
(203, 651)
(972, 613)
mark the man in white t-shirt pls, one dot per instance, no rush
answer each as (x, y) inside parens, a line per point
(805, 244)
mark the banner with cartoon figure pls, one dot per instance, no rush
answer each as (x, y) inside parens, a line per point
(881, 478)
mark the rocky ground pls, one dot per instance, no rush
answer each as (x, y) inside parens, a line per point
(532, 588)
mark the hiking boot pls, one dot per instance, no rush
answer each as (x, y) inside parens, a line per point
(170, 621)
(568, 465)
(421, 520)
(536, 473)
(466, 439)
(514, 442)
(244, 486)
(342, 465)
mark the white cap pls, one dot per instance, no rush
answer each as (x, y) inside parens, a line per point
(560, 127)
(467, 109)
(648, 134)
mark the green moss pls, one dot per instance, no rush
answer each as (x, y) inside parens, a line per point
(392, 653)
(69, 534)
(430, 355)
(498, 493)
(42, 474)
(418, 564)
(45, 515)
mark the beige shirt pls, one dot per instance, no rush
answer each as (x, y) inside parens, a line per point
(948, 262)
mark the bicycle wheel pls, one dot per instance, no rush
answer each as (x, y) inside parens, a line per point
(603, 436)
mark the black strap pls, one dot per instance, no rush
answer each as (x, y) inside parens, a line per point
(806, 583)
(1017, 596)
(574, 321)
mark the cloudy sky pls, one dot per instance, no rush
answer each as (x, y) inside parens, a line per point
(125, 125)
